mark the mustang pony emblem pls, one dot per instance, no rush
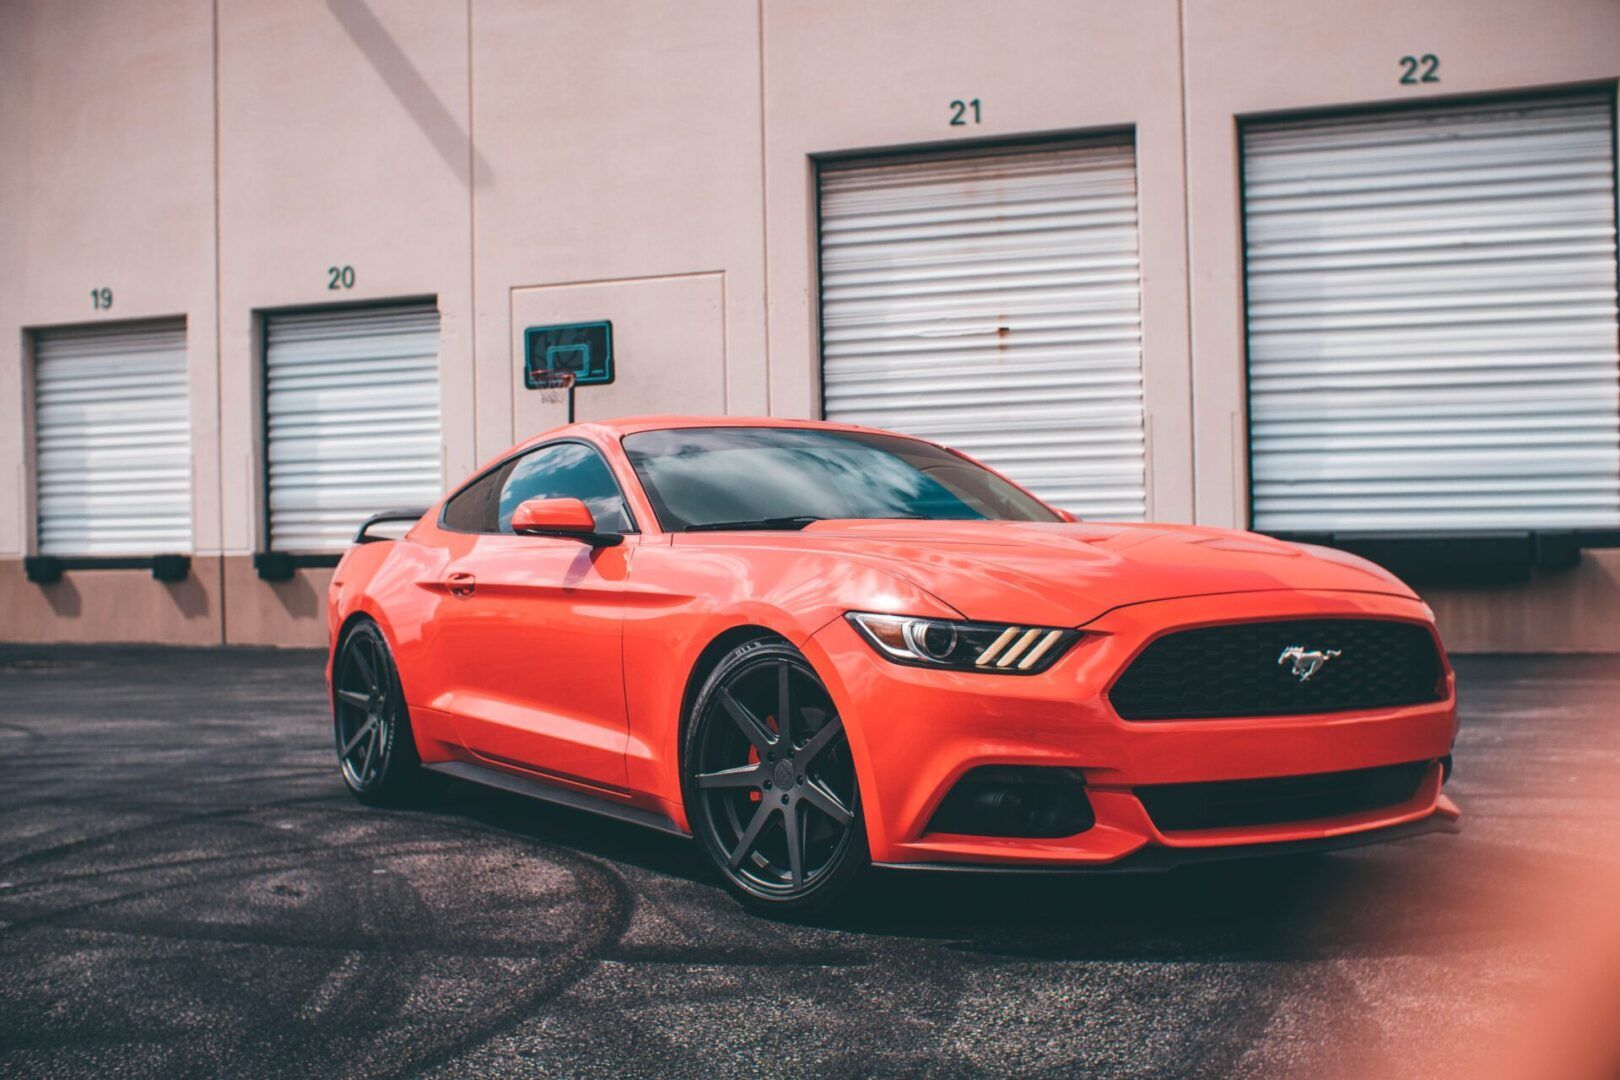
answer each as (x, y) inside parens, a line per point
(1307, 664)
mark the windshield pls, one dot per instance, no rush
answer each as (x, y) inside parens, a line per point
(785, 478)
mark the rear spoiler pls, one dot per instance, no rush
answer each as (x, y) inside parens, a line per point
(406, 514)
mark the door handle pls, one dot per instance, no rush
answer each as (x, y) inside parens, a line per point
(460, 583)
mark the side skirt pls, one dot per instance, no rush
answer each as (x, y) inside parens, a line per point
(535, 789)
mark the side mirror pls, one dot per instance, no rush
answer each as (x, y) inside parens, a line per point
(1067, 515)
(568, 519)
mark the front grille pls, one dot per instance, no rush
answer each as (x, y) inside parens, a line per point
(1239, 670)
(1240, 803)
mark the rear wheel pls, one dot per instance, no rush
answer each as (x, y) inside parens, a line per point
(770, 784)
(375, 748)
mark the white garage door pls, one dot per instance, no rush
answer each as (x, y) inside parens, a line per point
(1432, 326)
(112, 440)
(993, 303)
(352, 420)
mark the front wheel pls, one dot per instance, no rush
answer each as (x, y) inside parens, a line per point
(769, 782)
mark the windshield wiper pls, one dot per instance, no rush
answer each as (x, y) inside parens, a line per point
(784, 523)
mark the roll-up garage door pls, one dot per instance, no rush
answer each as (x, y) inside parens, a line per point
(112, 431)
(351, 418)
(1432, 319)
(993, 303)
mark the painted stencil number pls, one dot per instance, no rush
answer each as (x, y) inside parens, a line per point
(101, 299)
(960, 110)
(340, 277)
(1420, 69)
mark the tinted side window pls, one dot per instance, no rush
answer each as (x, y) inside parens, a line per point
(476, 507)
(564, 471)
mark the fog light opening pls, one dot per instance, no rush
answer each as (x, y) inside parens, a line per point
(1015, 801)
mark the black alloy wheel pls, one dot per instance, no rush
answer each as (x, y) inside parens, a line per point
(770, 784)
(375, 748)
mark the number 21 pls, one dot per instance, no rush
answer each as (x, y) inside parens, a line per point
(959, 111)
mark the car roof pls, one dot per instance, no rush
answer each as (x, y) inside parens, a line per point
(630, 424)
(612, 430)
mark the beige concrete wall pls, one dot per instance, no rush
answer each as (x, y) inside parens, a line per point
(344, 141)
(1253, 57)
(847, 75)
(113, 606)
(654, 164)
(106, 181)
(1574, 610)
(291, 612)
(622, 142)
(661, 326)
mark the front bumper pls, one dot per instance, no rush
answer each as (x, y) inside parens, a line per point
(914, 732)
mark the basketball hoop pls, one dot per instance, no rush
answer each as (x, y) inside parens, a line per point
(554, 386)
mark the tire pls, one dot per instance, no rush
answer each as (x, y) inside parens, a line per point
(371, 726)
(753, 789)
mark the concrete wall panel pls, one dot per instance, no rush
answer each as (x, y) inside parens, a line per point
(1256, 57)
(672, 329)
(852, 76)
(113, 606)
(621, 141)
(344, 142)
(1575, 610)
(106, 181)
(653, 164)
(290, 613)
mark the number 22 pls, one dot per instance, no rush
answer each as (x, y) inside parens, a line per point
(1430, 64)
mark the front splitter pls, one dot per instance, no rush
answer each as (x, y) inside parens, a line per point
(1156, 859)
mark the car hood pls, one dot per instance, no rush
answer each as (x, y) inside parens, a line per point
(1067, 574)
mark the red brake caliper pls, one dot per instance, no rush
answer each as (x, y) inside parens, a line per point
(753, 757)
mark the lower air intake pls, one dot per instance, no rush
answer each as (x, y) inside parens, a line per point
(1275, 801)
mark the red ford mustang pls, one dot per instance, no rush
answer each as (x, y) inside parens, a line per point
(818, 647)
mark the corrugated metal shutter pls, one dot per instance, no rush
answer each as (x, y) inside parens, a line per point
(1432, 319)
(994, 304)
(112, 424)
(352, 420)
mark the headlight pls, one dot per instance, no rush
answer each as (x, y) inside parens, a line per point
(964, 646)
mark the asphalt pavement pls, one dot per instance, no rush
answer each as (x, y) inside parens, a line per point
(186, 889)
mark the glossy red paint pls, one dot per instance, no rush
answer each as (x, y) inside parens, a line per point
(573, 664)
